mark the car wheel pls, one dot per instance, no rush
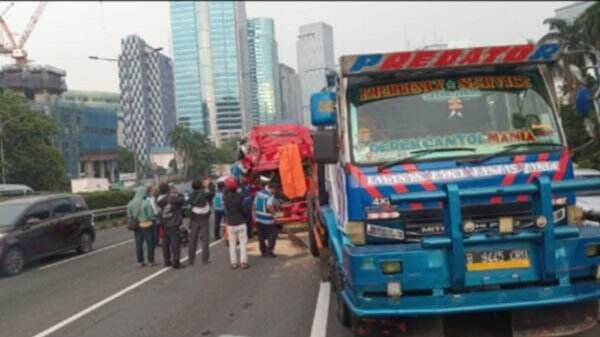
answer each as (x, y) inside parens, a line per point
(85, 243)
(13, 261)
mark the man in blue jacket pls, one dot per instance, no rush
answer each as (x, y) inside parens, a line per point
(219, 209)
(264, 209)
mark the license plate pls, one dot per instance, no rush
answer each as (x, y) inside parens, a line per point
(499, 259)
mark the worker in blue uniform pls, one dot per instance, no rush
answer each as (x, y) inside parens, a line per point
(219, 208)
(265, 206)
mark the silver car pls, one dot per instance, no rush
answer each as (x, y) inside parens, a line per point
(589, 200)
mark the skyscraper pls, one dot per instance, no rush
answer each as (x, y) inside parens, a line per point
(291, 94)
(314, 49)
(264, 71)
(212, 37)
(184, 37)
(147, 96)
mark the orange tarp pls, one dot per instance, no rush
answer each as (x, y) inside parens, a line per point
(290, 171)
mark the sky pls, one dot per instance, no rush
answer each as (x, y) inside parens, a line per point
(68, 33)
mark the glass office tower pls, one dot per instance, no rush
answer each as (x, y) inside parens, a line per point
(264, 71)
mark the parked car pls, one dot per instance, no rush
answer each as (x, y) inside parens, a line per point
(589, 200)
(10, 190)
(33, 227)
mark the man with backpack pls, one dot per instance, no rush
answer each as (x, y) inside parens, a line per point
(171, 203)
(199, 224)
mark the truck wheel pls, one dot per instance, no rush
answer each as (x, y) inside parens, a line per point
(13, 261)
(342, 311)
(312, 242)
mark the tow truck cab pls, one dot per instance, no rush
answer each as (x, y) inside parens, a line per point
(450, 186)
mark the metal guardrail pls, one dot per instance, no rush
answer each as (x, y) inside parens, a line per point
(108, 212)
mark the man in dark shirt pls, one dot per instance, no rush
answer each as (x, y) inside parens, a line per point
(235, 213)
(170, 203)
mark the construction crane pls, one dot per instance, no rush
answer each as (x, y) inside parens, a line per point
(13, 48)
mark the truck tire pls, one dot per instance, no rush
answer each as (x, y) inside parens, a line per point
(312, 242)
(342, 311)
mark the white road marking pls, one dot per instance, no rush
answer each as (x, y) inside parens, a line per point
(111, 298)
(94, 252)
(319, 325)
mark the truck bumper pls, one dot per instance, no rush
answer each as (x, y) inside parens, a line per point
(426, 278)
(471, 302)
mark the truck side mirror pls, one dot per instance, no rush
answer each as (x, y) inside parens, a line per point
(322, 108)
(583, 101)
(325, 149)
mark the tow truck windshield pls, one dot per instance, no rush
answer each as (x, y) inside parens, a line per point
(483, 112)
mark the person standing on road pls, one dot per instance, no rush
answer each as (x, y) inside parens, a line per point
(236, 223)
(199, 224)
(171, 217)
(219, 209)
(140, 209)
(155, 220)
(264, 210)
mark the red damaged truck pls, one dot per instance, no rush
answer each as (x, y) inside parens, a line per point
(283, 153)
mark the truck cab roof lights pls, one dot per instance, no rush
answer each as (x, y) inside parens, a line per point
(449, 58)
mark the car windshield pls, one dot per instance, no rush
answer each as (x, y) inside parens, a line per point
(391, 120)
(10, 213)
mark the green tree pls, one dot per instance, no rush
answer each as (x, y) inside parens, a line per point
(227, 153)
(198, 152)
(589, 24)
(125, 160)
(572, 39)
(30, 157)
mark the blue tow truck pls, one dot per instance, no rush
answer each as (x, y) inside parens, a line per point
(446, 187)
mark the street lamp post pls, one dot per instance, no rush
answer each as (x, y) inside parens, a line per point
(128, 99)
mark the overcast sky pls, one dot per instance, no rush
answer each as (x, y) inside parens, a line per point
(68, 32)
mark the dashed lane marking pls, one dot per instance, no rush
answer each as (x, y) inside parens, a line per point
(109, 299)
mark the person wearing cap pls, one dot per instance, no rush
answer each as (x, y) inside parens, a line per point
(264, 210)
(235, 215)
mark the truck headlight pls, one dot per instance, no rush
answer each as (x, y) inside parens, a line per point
(575, 215)
(592, 250)
(385, 232)
(391, 267)
(356, 232)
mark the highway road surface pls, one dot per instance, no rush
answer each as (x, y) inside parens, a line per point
(105, 293)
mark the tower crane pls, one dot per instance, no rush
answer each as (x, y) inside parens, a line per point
(13, 48)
